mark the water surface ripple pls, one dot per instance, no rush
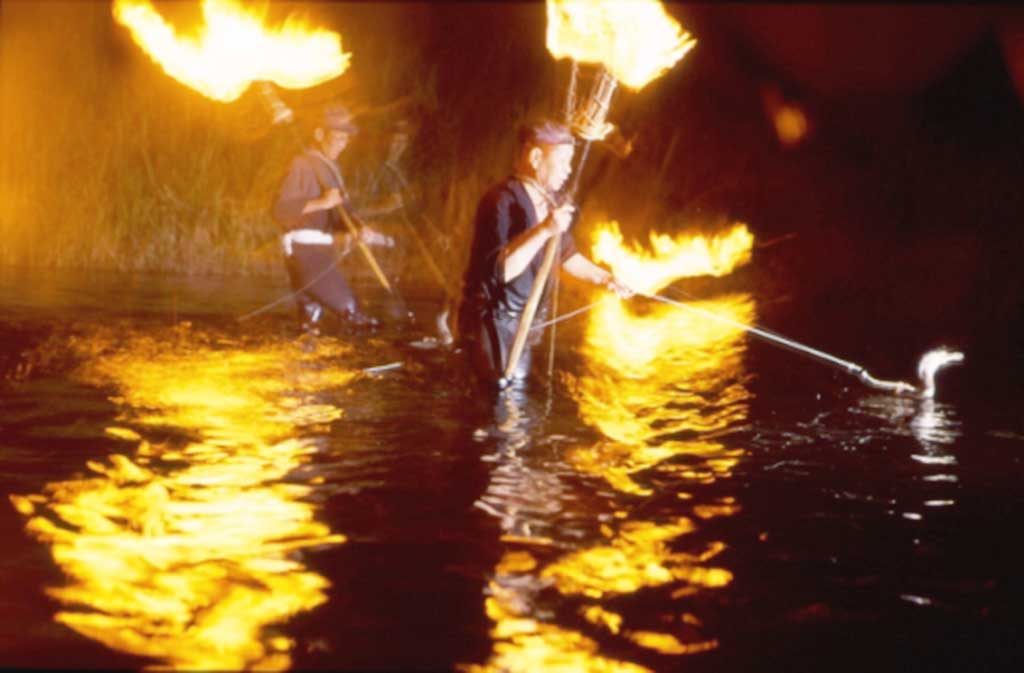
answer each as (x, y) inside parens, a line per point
(190, 492)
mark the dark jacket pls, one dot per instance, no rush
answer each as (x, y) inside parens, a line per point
(306, 179)
(504, 212)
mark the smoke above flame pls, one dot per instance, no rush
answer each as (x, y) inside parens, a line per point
(234, 48)
(636, 40)
(671, 257)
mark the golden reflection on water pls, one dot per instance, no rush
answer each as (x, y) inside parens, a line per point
(676, 377)
(524, 643)
(191, 554)
(658, 385)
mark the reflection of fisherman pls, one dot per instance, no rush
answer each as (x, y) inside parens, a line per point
(514, 221)
(522, 493)
(307, 208)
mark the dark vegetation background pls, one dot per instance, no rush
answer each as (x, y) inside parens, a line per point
(903, 202)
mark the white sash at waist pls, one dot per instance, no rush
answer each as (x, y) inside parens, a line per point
(306, 237)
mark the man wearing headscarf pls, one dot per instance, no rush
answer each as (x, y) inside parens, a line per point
(514, 221)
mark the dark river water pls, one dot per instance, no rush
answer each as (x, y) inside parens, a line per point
(186, 490)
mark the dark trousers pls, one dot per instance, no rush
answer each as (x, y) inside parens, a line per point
(488, 341)
(314, 276)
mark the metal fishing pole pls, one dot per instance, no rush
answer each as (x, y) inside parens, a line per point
(565, 316)
(927, 368)
(928, 365)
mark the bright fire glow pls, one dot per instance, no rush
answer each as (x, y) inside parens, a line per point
(639, 556)
(674, 371)
(636, 40)
(674, 374)
(678, 378)
(234, 48)
(671, 257)
(184, 550)
(525, 644)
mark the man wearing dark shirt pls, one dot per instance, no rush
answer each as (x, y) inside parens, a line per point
(307, 209)
(514, 221)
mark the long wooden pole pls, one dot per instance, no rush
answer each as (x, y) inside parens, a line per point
(526, 319)
(370, 259)
(568, 112)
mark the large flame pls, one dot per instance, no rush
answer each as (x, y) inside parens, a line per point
(671, 257)
(636, 40)
(234, 48)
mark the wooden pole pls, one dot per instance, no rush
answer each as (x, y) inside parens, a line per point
(370, 259)
(568, 112)
(526, 319)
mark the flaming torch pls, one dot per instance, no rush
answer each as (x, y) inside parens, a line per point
(235, 48)
(632, 42)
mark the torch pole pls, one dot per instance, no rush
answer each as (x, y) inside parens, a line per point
(365, 250)
(568, 111)
(588, 125)
(283, 114)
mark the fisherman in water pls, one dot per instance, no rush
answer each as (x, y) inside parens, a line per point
(514, 221)
(307, 208)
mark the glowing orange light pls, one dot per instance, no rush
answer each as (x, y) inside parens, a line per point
(184, 552)
(674, 374)
(671, 257)
(639, 556)
(525, 644)
(234, 48)
(668, 644)
(635, 40)
(791, 122)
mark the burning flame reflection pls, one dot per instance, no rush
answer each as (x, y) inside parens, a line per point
(636, 40)
(678, 378)
(675, 372)
(234, 48)
(189, 553)
(659, 385)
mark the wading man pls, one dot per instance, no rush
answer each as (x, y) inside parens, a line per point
(308, 209)
(514, 221)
